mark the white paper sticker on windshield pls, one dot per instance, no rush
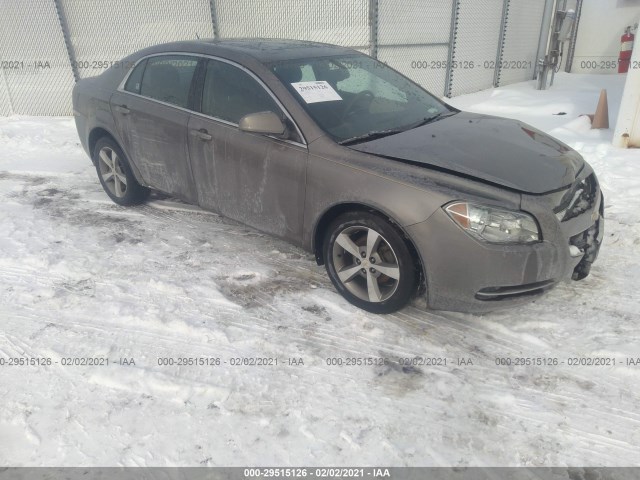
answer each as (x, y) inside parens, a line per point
(313, 92)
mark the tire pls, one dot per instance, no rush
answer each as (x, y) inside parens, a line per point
(381, 281)
(115, 175)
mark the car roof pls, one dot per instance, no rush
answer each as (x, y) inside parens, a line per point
(265, 50)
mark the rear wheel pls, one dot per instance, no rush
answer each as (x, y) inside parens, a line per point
(369, 262)
(115, 174)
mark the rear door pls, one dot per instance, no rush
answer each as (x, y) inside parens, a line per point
(151, 116)
(256, 179)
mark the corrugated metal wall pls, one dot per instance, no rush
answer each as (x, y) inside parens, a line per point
(450, 47)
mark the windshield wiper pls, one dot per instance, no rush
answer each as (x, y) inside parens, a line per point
(424, 121)
(371, 136)
(385, 133)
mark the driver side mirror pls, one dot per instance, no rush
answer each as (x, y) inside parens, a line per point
(267, 123)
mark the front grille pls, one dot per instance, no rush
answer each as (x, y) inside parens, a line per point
(579, 199)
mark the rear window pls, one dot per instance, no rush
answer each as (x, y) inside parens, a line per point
(168, 79)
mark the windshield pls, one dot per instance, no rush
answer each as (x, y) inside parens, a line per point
(355, 98)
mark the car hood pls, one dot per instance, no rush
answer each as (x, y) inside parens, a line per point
(496, 150)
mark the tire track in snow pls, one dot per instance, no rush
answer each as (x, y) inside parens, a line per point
(170, 251)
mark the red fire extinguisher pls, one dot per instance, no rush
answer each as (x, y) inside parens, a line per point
(625, 51)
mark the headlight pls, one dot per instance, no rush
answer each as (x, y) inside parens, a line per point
(494, 225)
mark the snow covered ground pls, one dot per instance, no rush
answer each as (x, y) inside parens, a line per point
(83, 277)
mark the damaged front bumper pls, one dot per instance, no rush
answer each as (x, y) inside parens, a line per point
(464, 274)
(588, 243)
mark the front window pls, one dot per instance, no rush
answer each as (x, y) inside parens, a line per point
(354, 98)
(230, 94)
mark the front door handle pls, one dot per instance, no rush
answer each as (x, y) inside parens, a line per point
(122, 109)
(202, 134)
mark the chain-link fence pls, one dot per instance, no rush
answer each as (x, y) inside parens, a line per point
(34, 60)
(5, 104)
(523, 22)
(475, 45)
(450, 47)
(329, 21)
(102, 31)
(414, 38)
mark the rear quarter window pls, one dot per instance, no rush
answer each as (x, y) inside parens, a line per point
(134, 82)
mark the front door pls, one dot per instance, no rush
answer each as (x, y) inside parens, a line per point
(255, 179)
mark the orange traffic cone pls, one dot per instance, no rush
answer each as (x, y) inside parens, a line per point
(601, 117)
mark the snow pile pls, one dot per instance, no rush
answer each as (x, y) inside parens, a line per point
(82, 277)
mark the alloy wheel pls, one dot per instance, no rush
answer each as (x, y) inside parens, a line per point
(112, 172)
(366, 264)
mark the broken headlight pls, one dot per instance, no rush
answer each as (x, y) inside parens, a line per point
(494, 225)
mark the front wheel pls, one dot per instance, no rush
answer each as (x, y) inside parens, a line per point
(369, 262)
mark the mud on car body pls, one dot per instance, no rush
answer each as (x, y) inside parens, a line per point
(393, 190)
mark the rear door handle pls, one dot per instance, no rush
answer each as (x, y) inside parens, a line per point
(122, 109)
(202, 134)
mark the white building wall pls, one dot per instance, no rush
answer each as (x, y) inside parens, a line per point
(602, 23)
(627, 129)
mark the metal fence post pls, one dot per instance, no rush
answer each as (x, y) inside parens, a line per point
(373, 28)
(67, 40)
(574, 36)
(545, 30)
(448, 83)
(503, 31)
(214, 18)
